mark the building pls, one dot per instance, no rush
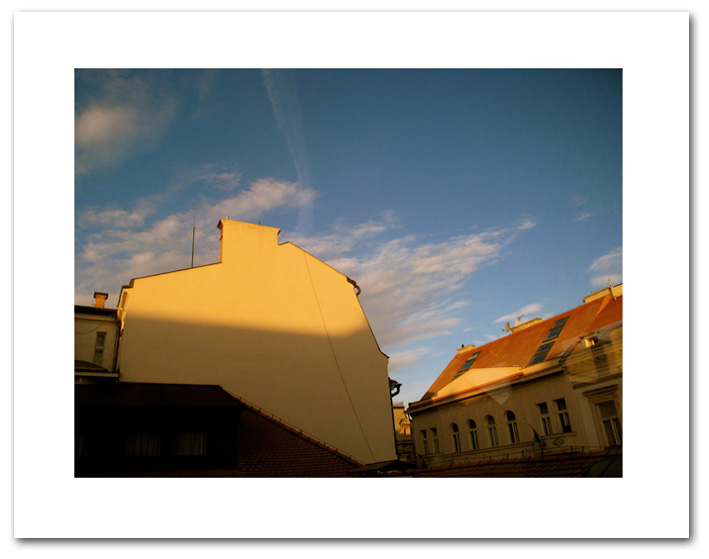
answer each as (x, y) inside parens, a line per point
(272, 326)
(95, 342)
(402, 427)
(548, 387)
(178, 430)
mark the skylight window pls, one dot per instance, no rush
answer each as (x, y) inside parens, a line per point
(541, 353)
(468, 363)
(555, 329)
(548, 341)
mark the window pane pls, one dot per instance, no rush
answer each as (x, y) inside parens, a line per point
(607, 409)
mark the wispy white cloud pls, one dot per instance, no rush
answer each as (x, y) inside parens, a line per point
(530, 311)
(114, 217)
(212, 175)
(579, 200)
(127, 117)
(526, 223)
(608, 266)
(262, 195)
(404, 359)
(582, 217)
(122, 247)
(408, 285)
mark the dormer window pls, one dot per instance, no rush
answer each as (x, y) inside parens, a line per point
(590, 341)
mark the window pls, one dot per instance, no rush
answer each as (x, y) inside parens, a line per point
(563, 415)
(548, 341)
(545, 418)
(143, 444)
(434, 440)
(468, 363)
(189, 443)
(541, 354)
(555, 329)
(512, 427)
(98, 348)
(425, 441)
(473, 434)
(610, 422)
(492, 430)
(456, 437)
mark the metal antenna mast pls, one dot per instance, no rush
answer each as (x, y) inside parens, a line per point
(194, 226)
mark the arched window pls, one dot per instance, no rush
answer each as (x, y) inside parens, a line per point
(473, 434)
(456, 437)
(492, 430)
(512, 427)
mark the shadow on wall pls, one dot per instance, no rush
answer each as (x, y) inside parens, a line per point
(333, 388)
(178, 430)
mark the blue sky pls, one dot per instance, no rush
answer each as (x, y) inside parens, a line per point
(457, 199)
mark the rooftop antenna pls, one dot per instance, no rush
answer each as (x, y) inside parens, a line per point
(518, 319)
(194, 227)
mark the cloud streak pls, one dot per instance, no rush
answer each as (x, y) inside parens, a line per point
(582, 217)
(282, 93)
(411, 286)
(608, 266)
(408, 286)
(528, 310)
(121, 246)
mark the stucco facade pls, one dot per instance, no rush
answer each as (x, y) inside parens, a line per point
(272, 325)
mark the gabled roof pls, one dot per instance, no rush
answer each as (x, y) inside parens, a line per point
(510, 356)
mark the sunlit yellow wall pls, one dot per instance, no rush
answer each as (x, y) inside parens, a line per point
(273, 325)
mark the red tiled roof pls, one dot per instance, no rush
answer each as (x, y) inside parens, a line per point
(268, 448)
(594, 464)
(518, 348)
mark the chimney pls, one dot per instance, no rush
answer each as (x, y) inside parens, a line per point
(100, 299)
